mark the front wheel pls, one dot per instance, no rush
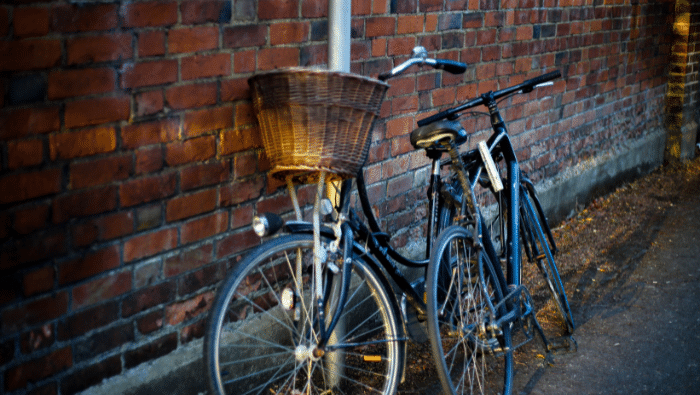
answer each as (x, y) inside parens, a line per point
(463, 289)
(264, 328)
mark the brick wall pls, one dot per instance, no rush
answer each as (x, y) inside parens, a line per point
(130, 163)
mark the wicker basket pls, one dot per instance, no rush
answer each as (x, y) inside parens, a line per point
(315, 120)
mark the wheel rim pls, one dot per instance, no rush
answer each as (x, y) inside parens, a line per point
(261, 348)
(460, 338)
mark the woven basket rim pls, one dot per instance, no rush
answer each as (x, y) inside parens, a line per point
(315, 71)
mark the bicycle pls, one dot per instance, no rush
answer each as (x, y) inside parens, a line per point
(312, 311)
(474, 310)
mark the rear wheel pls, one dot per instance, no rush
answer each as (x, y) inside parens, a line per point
(463, 290)
(264, 328)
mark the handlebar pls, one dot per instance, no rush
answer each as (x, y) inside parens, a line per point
(419, 56)
(524, 87)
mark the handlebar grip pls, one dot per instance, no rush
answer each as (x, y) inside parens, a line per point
(544, 78)
(450, 66)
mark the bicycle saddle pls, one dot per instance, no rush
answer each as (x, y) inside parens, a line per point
(439, 135)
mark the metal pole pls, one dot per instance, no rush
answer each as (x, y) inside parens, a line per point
(339, 16)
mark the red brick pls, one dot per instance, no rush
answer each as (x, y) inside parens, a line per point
(314, 8)
(146, 189)
(400, 46)
(279, 204)
(241, 216)
(190, 205)
(25, 186)
(29, 54)
(148, 297)
(89, 265)
(245, 36)
(71, 83)
(35, 312)
(38, 281)
(84, 17)
(202, 66)
(136, 75)
(278, 9)
(87, 320)
(240, 191)
(85, 203)
(204, 227)
(275, 58)
(85, 142)
(380, 26)
(151, 322)
(193, 39)
(289, 32)
(148, 103)
(24, 153)
(236, 243)
(23, 122)
(31, 21)
(245, 164)
(115, 225)
(203, 121)
(151, 43)
(37, 369)
(190, 96)
(235, 89)
(151, 13)
(188, 260)
(30, 219)
(238, 140)
(410, 24)
(201, 11)
(193, 150)
(360, 7)
(205, 174)
(244, 61)
(97, 49)
(96, 111)
(150, 244)
(188, 309)
(192, 332)
(101, 289)
(148, 160)
(37, 339)
(399, 127)
(99, 171)
(147, 133)
(48, 244)
(399, 185)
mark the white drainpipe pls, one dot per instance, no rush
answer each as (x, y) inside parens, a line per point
(339, 16)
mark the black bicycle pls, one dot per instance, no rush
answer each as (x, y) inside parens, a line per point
(312, 311)
(475, 311)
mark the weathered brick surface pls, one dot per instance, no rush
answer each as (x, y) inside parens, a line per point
(131, 163)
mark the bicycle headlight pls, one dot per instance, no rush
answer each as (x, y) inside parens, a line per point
(266, 224)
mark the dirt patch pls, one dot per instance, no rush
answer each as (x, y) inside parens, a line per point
(630, 262)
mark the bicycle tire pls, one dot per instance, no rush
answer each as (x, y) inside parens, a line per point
(466, 356)
(540, 252)
(255, 346)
